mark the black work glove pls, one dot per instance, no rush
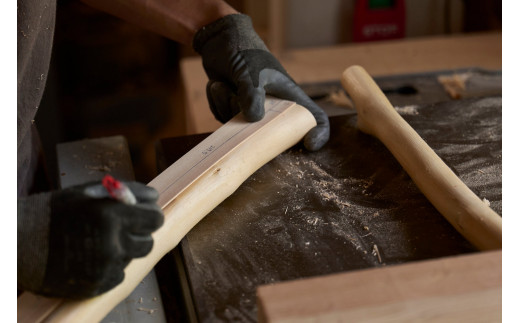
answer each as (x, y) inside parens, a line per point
(242, 71)
(76, 242)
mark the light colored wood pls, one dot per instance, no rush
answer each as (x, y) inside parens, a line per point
(34, 308)
(195, 184)
(475, 220)
(455, 289)
(411, 55)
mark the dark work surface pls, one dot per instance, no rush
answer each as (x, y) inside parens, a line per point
(349, 206)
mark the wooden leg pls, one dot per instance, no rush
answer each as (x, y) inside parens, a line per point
(476, 221)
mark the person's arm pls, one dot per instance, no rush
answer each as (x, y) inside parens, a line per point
(240, 68)
(178, 20)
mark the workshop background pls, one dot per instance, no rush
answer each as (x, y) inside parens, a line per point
(109, 77)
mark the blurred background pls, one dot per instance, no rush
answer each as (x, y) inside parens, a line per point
(109, 77)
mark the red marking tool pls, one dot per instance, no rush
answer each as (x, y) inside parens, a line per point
(118, 190)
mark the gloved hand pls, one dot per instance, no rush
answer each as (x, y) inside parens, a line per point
(242, 71)
(76, 242)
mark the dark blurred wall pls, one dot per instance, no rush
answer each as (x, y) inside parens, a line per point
(109, 77)
(482, 15)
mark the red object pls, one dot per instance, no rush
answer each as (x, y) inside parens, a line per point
(118, 190)
(371, 24)
(111, 184)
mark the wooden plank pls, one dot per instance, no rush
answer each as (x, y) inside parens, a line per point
(412, 55)
(34, 308)
(195, 184)
(455, 289)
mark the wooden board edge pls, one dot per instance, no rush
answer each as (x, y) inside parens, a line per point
(407, 292)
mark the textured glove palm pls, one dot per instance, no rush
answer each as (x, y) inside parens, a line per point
(90, 239)
(242, 71)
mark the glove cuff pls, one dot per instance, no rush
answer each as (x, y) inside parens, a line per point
(236, 30)
(33, 221)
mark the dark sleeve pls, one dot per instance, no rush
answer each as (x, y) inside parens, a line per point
(35, 31)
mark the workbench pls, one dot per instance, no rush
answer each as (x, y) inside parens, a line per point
(351, 205)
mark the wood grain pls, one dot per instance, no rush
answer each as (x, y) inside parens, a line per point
(194, 185)
(455, 289)
(476, 221)
(34, 308)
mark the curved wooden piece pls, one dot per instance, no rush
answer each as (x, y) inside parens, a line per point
(32, 308)
(195, 184)
(453, 199)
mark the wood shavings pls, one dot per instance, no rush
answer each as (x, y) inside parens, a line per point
(486, 201)
(339, 98)
(104, 166)
(100, 168)
(375, 252)
(148, 310)
(313, 221)
(454, 84)
(408, 109)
